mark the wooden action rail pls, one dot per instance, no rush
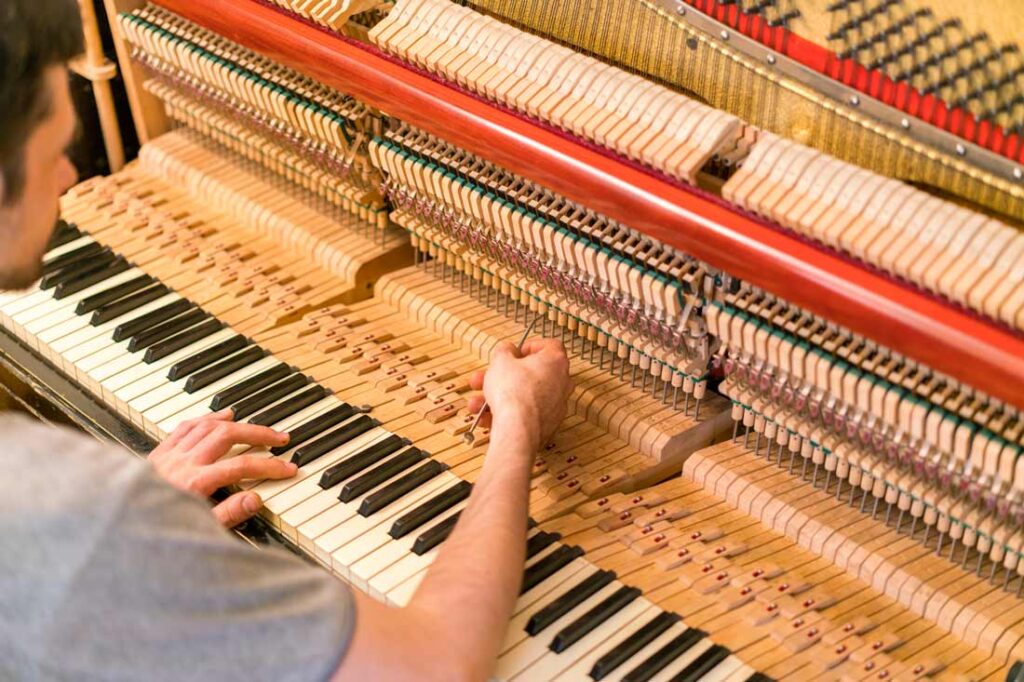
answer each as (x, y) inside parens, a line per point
(921, 327)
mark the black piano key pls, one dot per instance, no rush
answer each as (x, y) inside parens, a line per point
(679, 645)
(82, 282)
(244, 389)
(358, 487)
(206, 357)
(293, 405)
(539, 542)
(334, 439)
(433, 537)
(127, 304)
(632, 644)
(703, 664)
(205, 377)
(94, 263)
(585, 624)
(359, 462)
(314, 427)
(71, 257)
(568, 601)
(151, 319)
(91, 303)
(430, 509)
(376, 501)
(271, 394)
(182, 340)
(547, 566)
(165, 330)
(63, 233)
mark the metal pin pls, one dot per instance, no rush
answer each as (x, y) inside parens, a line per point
(888, 514)
(746, 436)
(863, 502)
(913, 527)
(992, 572)
(927, 531)
(696, 411)
(1020, 586)
(675, 404)
(803, 470)
(686, 410)
(757, 444)
(977, 567)
(1006, 580)
(952, 549)
(633, 380)
(967, 553)
(468, 435)
(828, 483)
(899, 521)
(874, 509)
(814, 477)
(938, 545)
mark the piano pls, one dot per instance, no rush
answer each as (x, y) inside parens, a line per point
(780, 241)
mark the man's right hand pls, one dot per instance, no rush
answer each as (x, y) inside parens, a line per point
(526, 391)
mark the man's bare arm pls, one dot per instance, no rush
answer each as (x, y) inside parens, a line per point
(454, 624)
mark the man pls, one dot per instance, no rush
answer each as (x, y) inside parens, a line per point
(108, 570)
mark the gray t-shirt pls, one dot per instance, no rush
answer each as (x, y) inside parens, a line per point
(108, 573)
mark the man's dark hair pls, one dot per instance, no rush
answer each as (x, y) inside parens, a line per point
(34, 35)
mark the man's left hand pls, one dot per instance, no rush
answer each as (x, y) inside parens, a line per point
(190, 459)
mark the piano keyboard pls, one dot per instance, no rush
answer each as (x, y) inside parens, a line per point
(368, 501)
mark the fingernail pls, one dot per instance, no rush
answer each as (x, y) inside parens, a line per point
(283, 437)
(252, 503)
(293, 467)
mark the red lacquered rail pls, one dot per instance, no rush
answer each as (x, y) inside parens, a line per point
(941, 336)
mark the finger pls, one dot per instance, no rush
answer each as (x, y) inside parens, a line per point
(237, 508)
(182, 430)
(504, 348)
(476, 379)
(225, 435)
(243, 467)
(476, 401)
(197, 429)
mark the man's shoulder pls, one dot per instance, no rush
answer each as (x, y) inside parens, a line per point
(45, 465)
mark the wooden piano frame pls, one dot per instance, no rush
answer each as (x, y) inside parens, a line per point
(920, 326)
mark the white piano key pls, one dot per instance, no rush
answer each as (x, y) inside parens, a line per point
(541, 595)
(588, 648)
(153, 374)
(61, 344)
(318, 500)
(531, 649)
(270, 489)
(175, 400)
(673, 668)
(724, 671)
(364, 563)
(359, 525)
(176, 408)
(583, 665)
(47, 315)
(646, 652)
(400, 596)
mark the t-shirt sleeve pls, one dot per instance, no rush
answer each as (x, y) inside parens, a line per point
(168, 594)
